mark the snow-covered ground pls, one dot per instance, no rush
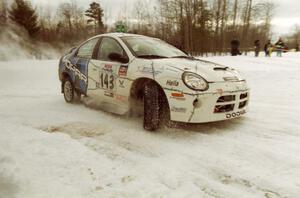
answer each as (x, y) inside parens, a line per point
(52, 149)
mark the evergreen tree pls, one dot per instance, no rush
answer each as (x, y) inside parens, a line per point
(3, 12)
(24, 15)
(95, 13)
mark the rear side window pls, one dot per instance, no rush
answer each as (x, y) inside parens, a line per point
(109, 45)
(87, 49)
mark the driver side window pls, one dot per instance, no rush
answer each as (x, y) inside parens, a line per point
(108, 46)
(87, 49)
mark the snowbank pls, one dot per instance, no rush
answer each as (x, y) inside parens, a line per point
(15, 45)
(52, 149)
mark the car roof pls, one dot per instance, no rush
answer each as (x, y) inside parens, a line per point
(119, 35)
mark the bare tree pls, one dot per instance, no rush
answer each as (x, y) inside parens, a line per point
(195, 26)
(267, 10)
(296, 37)
(217, 16)
(246, 23)
(235, 12)
(224, 18)
(77, 16)
(65, 10)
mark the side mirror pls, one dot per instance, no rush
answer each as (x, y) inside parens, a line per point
(118, 57)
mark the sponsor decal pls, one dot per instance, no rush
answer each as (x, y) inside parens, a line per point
(121, 83)
(172, 70)
(235, 115)
(178, 96)
(121, 98)
(148, 70)
(108, 67)
(172, 83)
(109, 94)
(76, 71)
(178, 109)
(123, 70)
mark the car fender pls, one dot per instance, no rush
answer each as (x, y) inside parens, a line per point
(170, 81)
(180, 98)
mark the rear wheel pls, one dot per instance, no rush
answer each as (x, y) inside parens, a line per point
(151, 106)
(70, 94)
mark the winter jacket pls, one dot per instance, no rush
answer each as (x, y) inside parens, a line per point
(279, 44)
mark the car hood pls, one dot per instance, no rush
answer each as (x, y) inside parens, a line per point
(212, 72)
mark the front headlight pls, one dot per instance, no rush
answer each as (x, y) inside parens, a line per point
(194, 81)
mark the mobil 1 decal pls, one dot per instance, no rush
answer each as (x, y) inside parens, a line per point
(123, 71)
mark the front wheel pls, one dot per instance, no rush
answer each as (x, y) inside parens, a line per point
(151, 106)
(70, 94)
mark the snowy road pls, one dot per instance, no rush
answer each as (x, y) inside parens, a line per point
(52, 149)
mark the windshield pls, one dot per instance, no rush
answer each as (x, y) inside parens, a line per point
(145, 47)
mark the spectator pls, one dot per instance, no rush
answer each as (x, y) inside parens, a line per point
(257, 47)
(235, 45)
(279, 47)
(268, 48)
(297, 47)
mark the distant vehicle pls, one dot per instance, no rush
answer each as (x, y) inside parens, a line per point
(128, 72)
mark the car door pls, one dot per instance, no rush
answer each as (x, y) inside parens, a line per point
(105, 74)
(80, 61)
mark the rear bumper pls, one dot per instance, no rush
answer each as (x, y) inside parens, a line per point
(227, 101)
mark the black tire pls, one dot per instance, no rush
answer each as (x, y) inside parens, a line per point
(164, 112)
(70, 94)
(151, 106)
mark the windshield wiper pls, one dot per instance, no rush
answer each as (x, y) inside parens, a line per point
(187, 57)
(150, 56)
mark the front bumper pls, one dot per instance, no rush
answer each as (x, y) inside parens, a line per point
(222, 101)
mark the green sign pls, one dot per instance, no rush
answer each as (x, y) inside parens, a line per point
(120, 28)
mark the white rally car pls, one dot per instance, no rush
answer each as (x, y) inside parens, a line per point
(124, 72)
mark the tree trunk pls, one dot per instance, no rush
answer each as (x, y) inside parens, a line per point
(247, 20)
(235, 7)
(217, 21)
(223, 24)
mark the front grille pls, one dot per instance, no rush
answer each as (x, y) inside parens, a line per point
(227, 103)
(226, 98)
(243, 96)
(224, 108)
(242, 104)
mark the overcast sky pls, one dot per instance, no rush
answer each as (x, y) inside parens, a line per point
(287, 12)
